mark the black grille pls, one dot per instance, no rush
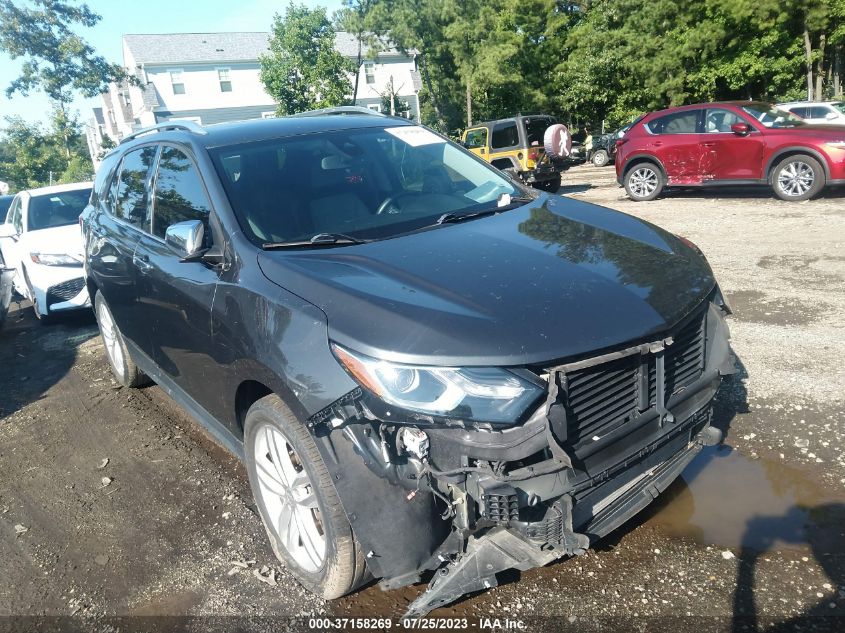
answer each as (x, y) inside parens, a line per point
(65, 291)
(684, 360)
(603, 397)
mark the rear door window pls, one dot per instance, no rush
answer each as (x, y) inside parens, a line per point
(131, 190)
(505, 135)
(179, 192)
(685, 122)
(15, 215)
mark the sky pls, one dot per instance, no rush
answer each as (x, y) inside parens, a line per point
(147, 16)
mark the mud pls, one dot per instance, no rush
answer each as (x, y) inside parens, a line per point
(751, 535)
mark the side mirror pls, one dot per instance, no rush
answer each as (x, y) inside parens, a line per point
(741, 129)
(7, 229)
(186, 238)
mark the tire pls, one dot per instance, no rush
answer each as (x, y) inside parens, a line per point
(122, 366)
(644, 182)
(600, 158)
(797, 178)
(317, 544)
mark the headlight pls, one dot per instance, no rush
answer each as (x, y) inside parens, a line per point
(836, 144)
(55, 259)
(488, 394)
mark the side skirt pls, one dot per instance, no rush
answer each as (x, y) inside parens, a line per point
(221, 434)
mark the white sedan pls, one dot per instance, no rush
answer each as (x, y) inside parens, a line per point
(42, 241)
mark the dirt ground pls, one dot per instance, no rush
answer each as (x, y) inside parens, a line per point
(113, 503)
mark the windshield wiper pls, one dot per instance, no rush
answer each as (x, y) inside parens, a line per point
(512, 203)
(320, 239)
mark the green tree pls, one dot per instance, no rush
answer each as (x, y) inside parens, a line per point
(56, 60)
(32, 156)
(303, 70)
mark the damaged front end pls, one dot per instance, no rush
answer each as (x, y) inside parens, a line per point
(600, 439)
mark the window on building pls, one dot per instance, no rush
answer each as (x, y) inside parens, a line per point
(225, 80)
(177, 81)
(370, 72)
(376, 107)
(179, 192)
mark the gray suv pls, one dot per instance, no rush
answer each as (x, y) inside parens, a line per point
(426, 366)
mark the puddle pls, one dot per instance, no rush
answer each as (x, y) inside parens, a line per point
(753, 305)
(729, 500)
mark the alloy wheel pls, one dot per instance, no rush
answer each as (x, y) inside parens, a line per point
(287, 493)
(643, 182)
(796, 178)
(111, 338)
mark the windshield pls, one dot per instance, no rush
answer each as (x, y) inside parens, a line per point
(370, 183)
(839, 105)
(56, 209)
(771, 116)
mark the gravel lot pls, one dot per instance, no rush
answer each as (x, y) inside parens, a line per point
(114, 503)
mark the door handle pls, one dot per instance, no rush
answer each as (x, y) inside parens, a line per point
(657, 143)
(142, 262)
(710, 145)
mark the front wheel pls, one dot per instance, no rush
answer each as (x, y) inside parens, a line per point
(600, 158)
(644, 182)
(797, 178)
(122, 366)
(297, 501)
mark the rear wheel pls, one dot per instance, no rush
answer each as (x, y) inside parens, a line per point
(299, 506)
(644, 181)
(122, 366)
(797, 178)
(600, 158)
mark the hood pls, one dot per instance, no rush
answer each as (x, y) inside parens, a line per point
(554, 279)
(66, 240)
(814, 130)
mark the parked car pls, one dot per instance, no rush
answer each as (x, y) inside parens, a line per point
(603, 151)
(7, 276)
(817, 112)
(5, 203)
(42, 242)
(424, 365)
(515, 145)
(730, 143)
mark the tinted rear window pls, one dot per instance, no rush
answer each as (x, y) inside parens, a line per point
(505, 135)
(535, 129)
(685, 122)
(57, 209)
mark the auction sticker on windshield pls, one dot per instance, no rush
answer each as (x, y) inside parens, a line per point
(414, 136)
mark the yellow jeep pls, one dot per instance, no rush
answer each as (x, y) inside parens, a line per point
(515, 145)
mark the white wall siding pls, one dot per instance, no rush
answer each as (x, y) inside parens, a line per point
(202, 86)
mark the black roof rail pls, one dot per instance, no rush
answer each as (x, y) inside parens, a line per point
(339, 110)
(187, 126)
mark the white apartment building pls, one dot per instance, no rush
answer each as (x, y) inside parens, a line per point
(214, 77)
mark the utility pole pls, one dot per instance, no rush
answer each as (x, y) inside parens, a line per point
(392, 98)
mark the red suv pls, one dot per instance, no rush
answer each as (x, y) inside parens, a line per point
(733, 143)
